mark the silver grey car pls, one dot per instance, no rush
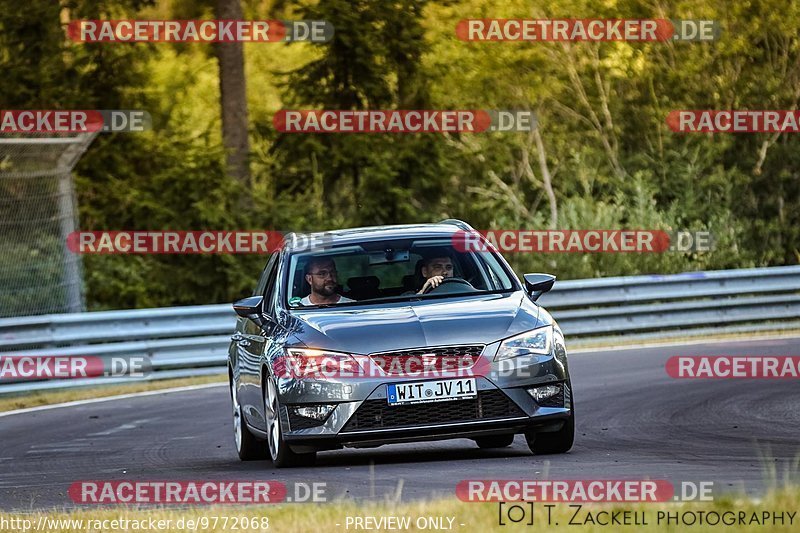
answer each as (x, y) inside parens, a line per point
(395, 334)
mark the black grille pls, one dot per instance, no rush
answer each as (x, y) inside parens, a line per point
(378, 414)
(447, 358)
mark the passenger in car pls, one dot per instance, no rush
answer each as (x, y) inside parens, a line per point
(321, 276)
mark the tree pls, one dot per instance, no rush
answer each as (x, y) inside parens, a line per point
(233, 101)
(374, 61)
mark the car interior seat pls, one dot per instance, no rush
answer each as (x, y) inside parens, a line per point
(363, 287)
(413, 282)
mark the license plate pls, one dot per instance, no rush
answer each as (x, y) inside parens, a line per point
(431, 391)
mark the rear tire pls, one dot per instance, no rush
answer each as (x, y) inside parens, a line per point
(494, 441)
(553, 442)
(248, 447)
(279, 451)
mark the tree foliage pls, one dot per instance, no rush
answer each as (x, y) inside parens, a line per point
(603, 150)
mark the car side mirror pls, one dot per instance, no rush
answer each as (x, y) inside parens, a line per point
(250, 307)
(538, 284)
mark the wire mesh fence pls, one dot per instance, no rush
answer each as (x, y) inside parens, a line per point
(38, 273)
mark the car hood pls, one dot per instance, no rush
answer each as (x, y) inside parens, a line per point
(363, 330)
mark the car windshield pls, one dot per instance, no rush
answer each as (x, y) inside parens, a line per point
(391, 270)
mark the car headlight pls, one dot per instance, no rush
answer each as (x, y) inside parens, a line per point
(533, 342)
(319, 364)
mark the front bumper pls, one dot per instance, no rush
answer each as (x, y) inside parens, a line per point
(362, 416)
(373, 422)
(372, 438)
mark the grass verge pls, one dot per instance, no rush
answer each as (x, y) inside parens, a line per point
(37, 398)
(465, 517)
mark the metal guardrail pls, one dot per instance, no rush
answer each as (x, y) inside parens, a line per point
(193, 340)
(669, 303)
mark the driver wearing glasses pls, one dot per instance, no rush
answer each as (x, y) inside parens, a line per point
(320, 274)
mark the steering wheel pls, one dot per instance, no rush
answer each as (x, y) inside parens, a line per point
(452, 285)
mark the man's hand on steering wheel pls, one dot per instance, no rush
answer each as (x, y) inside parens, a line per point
(430, 284)
(440, 282)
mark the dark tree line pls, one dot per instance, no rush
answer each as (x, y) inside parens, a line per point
(603, 156)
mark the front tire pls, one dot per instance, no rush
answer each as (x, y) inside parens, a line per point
(248, 447)
(553, 442)
(281, 454)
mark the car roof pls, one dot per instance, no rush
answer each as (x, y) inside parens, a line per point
(374, 233)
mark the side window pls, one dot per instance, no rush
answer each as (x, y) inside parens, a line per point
(269, 291)
(262, 281)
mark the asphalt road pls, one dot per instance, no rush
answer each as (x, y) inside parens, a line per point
(633, 421)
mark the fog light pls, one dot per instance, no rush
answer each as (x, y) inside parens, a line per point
(544, 392)
(316, 412)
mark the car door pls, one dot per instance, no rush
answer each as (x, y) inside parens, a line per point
(257, 340)
(237, 357)
(251, 340)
